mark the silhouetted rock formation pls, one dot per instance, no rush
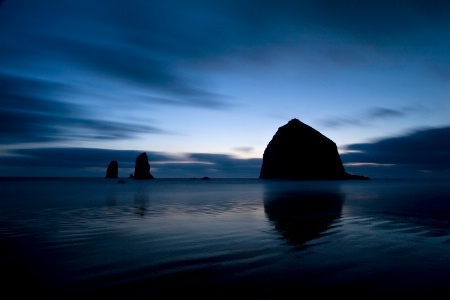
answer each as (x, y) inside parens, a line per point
(298, 151)
(113, 170)
(142, 167)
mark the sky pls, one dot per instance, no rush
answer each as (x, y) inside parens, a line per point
(202, 86)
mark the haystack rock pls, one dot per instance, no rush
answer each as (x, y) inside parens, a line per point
(113, 169)
(142, 167)
(298, 151)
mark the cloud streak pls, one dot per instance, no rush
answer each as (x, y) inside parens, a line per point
(370, 115)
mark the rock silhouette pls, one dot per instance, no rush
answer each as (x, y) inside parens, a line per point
(142, 167)
(113, 170)
(298, 151)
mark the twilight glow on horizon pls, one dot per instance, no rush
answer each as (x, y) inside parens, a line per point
(202, 86)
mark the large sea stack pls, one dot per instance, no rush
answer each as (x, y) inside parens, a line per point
(298, 151)
(113, 169)
(142, 167)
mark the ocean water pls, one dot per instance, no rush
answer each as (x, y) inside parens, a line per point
(95, 238)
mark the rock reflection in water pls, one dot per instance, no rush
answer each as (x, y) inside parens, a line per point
(302, 213)
(140, 204)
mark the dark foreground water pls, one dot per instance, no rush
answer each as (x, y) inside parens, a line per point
(96, 238)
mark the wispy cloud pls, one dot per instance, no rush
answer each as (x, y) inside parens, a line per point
(199, 99)
(383, 113)
(244, 149)
(338, 122)
(365, 118)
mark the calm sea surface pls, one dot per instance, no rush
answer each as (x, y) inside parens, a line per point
(94, 237)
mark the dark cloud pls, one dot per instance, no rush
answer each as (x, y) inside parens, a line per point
(94, 129)
(425, 150)
(93, 162)
(30, 113)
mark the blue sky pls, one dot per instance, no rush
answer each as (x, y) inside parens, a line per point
(202, 86)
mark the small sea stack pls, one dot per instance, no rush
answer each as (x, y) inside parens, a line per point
(298, 151)
(142, 167)
(113, 170)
